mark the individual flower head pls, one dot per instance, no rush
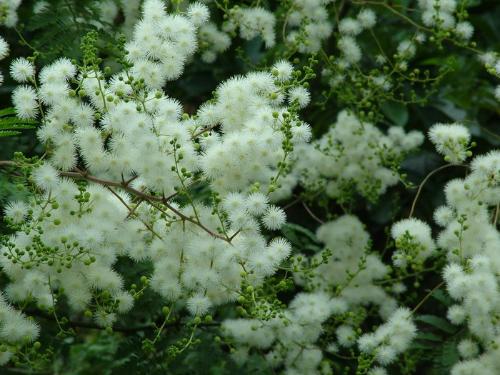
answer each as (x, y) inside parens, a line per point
(464, 30)
(406, 49)
(468, 348)
(367, 18)
(198, 13)
(350, 49)
(16, 211)
(350, 26)
(413, 240)
(22, 70)
(497, 92)
(25, 102)
(377, 370)
(300, 95)
(4, 48)
(451, 141)
(198, 304)
(282, 70)
(257, 203)
(274, 218)
(391, 338)
(46, 177)
(456, 314)
(346, 336)
(256, 21)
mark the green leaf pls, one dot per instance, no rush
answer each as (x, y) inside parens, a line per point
(297, 228)
(428, 336)
(16, 127)
(396, 112)
(445, 357)
(442, 297)
(7, 121)
(9, 125)
(8, 133)
(437, 322)
(7, 111)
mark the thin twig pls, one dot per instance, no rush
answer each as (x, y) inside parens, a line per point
(427, 297)
(312, 213)
(414, 203)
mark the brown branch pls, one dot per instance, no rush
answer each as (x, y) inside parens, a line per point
(130, 211)
(84, 175)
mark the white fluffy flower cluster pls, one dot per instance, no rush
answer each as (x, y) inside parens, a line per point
(471, 240)
(311, 19)
(162, 43)
(80, 243)
(350, 156)
(350, 28)
(451, 141)
(253, 22)
(208, 271)
(251, 111)
(440, 14)
(414, 243)
(349, 241)
(477, 290)
(15, 327)
(212, 42)
(9, 12)
(290, 341)
(4, 52)
(487, 363)
(140, 155)
(22, 70)
(306, 26)
(391, 338)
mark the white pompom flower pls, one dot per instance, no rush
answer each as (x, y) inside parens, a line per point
(198, 304)
(414, 238)
(464, 30)
(16, 211)
(468, 348)
(274, 218)
(25, 102)
(198, 13)
(4, 48)
(367, 18)
(350, 26)
(451, 141)
(46, 177)
(256, 203)
(22, 70)
(282, 70)
(299, 94)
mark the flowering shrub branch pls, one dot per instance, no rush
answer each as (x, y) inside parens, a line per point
(224, 186)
